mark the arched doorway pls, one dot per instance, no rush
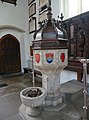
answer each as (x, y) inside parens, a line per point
(9, 55)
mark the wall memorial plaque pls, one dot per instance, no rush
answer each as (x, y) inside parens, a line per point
(42, 3)
(30, 1)
(32, 9)
(32, 25)
(42, 16)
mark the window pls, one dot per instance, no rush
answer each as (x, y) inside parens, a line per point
(72, 8)
(85, 5)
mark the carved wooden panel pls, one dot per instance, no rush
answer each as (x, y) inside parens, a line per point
(78, 34)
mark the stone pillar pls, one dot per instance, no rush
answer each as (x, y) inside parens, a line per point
(51, 82)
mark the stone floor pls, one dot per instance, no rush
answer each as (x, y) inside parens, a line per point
(10, 99)
(9, 95)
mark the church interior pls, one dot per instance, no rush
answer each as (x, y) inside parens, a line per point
(44, 56)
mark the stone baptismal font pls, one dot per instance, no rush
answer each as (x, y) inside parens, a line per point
(50, 57)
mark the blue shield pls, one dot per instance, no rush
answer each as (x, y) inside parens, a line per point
(49, 57)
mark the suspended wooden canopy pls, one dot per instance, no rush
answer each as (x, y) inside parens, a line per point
(50, 35)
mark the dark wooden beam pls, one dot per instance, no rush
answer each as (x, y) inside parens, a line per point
(10, 1)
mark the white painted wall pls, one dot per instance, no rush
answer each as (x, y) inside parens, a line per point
(13, 15)
(16, 16)
(55, 8)
(67, 76)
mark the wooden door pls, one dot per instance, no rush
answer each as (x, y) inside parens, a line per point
(9, 55)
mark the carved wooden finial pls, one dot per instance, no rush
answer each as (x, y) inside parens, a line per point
(49, 2)
(61, 17)
(49, 14)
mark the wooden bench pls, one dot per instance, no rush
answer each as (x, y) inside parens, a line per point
(29, 70)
